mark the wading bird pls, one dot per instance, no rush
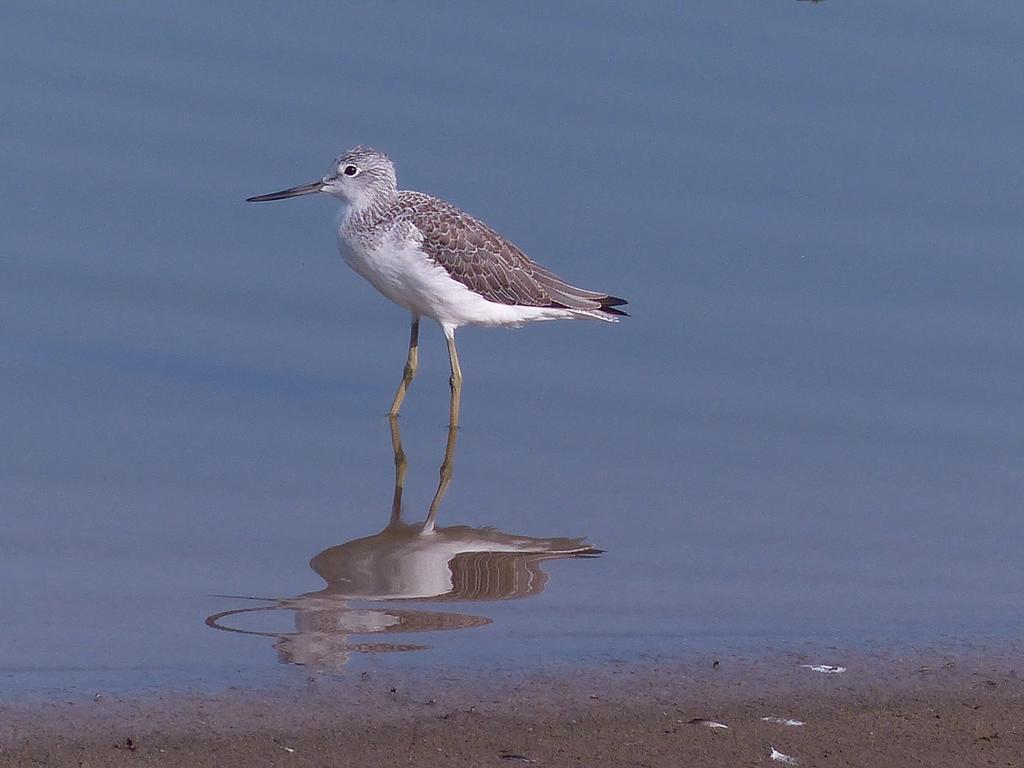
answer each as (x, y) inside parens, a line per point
(439, 262)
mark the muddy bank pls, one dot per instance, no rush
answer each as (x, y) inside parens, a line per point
(923, 709)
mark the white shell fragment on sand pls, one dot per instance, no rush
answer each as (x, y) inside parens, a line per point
(784, 721)
(778, 757)
(828, 669)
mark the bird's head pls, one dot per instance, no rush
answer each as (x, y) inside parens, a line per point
(358, 177)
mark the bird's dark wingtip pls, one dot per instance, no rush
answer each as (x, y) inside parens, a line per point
(609, 304)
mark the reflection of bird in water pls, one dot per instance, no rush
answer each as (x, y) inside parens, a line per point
(437, 261)
(408, 561)
(454, 563)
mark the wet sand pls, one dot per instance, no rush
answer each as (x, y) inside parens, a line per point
(918, 709)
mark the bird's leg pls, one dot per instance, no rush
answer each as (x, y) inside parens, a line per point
(410, 366)
(401, 465)
(448, 465)
(447, 470)
(455, 381)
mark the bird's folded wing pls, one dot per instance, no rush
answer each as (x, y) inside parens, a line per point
(485, 262)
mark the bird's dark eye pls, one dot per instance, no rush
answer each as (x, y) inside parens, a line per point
(350, 170)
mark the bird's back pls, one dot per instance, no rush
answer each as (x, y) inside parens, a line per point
(488, 263)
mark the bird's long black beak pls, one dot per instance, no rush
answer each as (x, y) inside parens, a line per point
(305, 189)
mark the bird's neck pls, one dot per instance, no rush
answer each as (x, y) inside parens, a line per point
(370, 208)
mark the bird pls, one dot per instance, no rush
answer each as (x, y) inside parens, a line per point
(437, 261)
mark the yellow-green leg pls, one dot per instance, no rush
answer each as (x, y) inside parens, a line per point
(447, 470)
(411, 362)
(448, 465)
(456, 379)
(401, 465)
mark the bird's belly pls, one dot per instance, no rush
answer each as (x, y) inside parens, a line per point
(402, 274)
(406, 276)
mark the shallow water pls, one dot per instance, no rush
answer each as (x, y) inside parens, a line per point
(810, 429)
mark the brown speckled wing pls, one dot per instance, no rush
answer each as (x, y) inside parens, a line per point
(488, 264)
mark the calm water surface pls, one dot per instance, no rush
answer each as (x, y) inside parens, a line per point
(812, 428)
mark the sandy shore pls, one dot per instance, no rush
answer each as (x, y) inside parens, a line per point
(924, 709)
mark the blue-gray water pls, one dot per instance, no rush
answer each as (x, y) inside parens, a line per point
(811, 428)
